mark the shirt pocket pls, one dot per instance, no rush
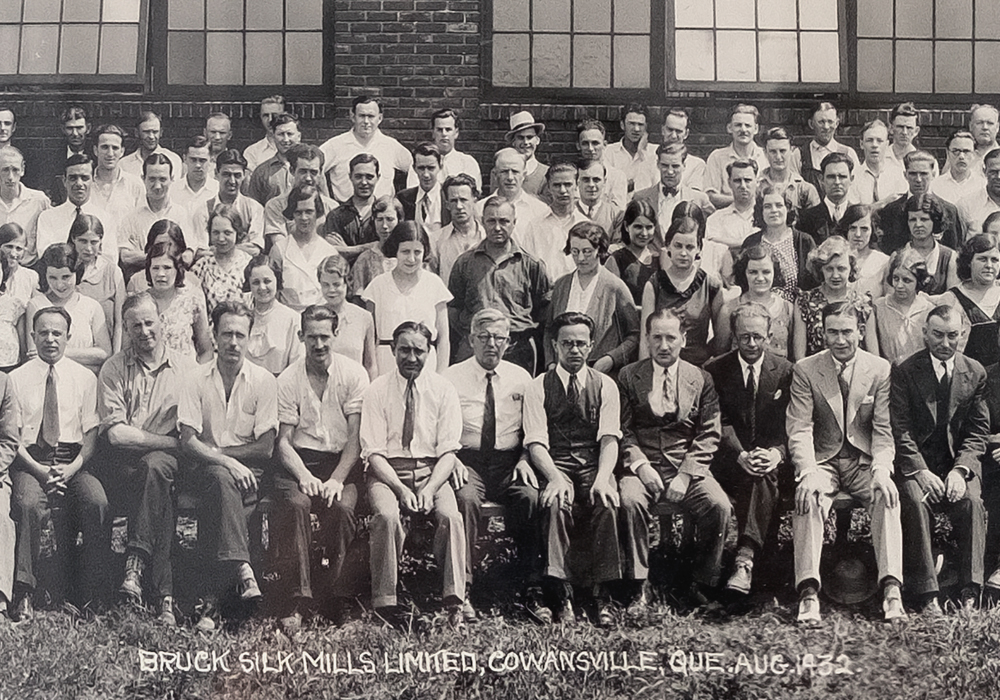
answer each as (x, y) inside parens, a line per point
(245, 418)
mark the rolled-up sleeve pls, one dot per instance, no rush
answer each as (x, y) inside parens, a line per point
(374, 429)
(609, 421)
(111, 402)
(536, 424)
(449, 433)
(266, 417)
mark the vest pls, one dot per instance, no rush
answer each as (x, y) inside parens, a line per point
(573, 436)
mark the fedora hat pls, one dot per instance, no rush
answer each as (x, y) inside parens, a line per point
(523, 120)
(850, 581)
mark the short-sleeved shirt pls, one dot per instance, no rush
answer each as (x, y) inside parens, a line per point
(300, 283)
(536, 424)
(339, 151)
(321, 423)
(135, 226)
(120, 196)
(76, 394)
(546, 241)
(24, 211)
(132, 393)
(53, 227)
(250, 211)
(509, 385)
(251, 411)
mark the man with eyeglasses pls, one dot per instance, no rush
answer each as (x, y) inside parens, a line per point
(753, 446)
(962, 175)
(492, 464)
(571, 430)
(974, 208)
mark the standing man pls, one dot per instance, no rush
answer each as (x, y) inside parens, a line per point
(353, 220)
(411, 428)
(962, 175)
(218, 131)
(499, 274)
(904, 122)
(492, 464)
(984, 122)
(230, 172)
(732, 224)
(892, 218)
(227, 416)
(47, 174)
(973, 208)
(425, 202)
(873, 181)
(305, 162)
(8, 125)
(149, 134)
(572, 429)
(273, 176)
(940, 423)
(157, 177)
(753, 446)
(58, 399)
(591, 140)
(319, 414)
(675, 131)
(509, 174)
(840, 439)
(114, 190)
(823, 122)
(524, 136)
(821, 221)
(196, 188)
(19, 204)
(670, 423)
(137, 399)
(445, 129)
(780, 172)
(634, 155)
(671, 159)
(591, 181)
(546, 237)
(365, 137)
(464, 232)
(744, 123)
(259, 151)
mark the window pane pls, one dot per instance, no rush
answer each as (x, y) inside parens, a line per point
(10, 36)
(186, 14)
(779, 57)
(592, 16)
(304, 58)
(511, 59)
(734, 14)
(632, 16)
(820, 57)
(987, 56)
(186, 58)
(550, 64)
(695, 51)
(264, 14)
(78, 49)
(694, 13)
(38, 48)
(119, 48)
(818, 14)
(987, 20)
(511, 16)
(82, 11)
(631, 61)
(954, 19)
(224, 58)
(874, 66)
(225, 14)
(122, 10)
(550, 16)
(776, 14)
(41, 11)
(874, 18)
(592, 61)
(914, 66)
(10, 11)
(913, 19)
(953, 66)
(263, 68)
(736, 57)
(303, 14)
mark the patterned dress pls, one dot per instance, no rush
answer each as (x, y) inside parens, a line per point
(221, 283)
(811, 305)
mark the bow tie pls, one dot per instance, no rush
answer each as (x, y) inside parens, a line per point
(667, 192)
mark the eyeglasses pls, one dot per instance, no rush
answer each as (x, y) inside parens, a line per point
(487, 338)
(747, 338)
(574, 344)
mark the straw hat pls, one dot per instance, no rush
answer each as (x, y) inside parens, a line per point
(521, 121)
(850, 581)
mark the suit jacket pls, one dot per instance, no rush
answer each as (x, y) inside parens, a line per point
(408, 198)
(44, 171)
(817, 222)
(616, 332)
(815, 420)
(891, 220)
(773, 388)
(685, 444)
(651, 195)
(914, 413)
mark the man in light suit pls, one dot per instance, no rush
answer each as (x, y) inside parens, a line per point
(840, 439)
(670, 430)
(941, 424)
(753, 446)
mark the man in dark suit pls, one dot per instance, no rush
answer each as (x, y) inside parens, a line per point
(892, 218)
(821, 221)
(46, 173)
(670, 431)
(940, 423)
(425, 203)
(991, 479)
(753, 433)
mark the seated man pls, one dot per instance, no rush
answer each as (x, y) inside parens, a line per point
(670, 423)
(492, 464)
(227, 415)
(142, 446)
(571, 422)
(58, 399)
(319, 414)
(411, 427)
(839, 439)
(940, 423)
(753, 445)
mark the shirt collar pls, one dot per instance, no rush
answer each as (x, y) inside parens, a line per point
(756, 365)
(660, 373)
(949, 363)
(564, 375)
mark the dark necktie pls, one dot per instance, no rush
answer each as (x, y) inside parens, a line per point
(409, 412)
(944, 394)
(79, 210)
(573, 394)
(752, 400)
(48, 433)
(845, 390)
(424, 209)
(488, 441)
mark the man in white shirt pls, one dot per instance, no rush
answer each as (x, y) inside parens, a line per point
(975, 207)
(218, 131)
(634, 155)
(984, 122)
(116, 191)
(424, 203)
(671, 160)
(53, 224)
(157, 176)
(508, 173)
(904, 123)
(230, 172)
(524, 136)
(319, 450)
(259, 151)
(195, 188)
(780, 172)
(149, 134)
(823, 122)
(546, 237)
(19, 204)
(445, 129)
(305, 162)
(591, 140)
(962, 174)
(411, 428)
(875, 183)
(732, 224)
(464, 232)
(365, 137)
(744, 123)
(675, 131)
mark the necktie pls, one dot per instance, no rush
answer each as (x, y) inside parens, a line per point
(752, 399)
(408, 413)
(875, 190)
(424, 209)
(944, 394)
(669, 395)
(573, 393)
(845, 389)
(590, 212)
(489, 437)
(48, 433)
(79, 210)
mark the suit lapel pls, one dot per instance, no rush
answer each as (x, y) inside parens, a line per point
(859, 385)
(926, 379)
(768, 379)
(830, 387)
(686, 381)
(644, 380)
